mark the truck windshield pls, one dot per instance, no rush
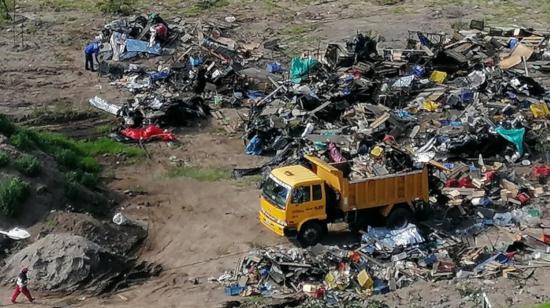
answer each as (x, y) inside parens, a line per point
(276, 193)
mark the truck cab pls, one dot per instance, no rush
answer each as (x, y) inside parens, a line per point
(291, 197)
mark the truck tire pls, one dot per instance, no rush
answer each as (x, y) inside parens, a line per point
(310, 233)
(399, 218)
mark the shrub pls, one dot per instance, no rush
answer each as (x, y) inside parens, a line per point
(13, 191)
(74, 180)
(72, 190)
(4, 159)
(66, 158)
(23, 139)
(27, 165)
(89, 164)
(6, 127)
(124, 7)
(87, 179)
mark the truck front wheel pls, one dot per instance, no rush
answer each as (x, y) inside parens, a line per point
(399, 218)
(310, 233)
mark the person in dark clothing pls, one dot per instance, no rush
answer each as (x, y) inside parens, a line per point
(21, 286)
(91, 51)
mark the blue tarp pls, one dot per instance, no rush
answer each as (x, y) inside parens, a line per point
(254, 146)
(154, 76)
(142, 46)
(515, 136)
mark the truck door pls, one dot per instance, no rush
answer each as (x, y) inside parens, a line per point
(307, 202)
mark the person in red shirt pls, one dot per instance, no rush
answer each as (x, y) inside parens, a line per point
(21, 286)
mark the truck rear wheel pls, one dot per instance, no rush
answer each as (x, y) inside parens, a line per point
(310, 233)
(399, 218)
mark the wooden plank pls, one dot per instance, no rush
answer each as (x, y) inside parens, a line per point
(380, 120)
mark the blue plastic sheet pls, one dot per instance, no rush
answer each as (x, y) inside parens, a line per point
(255, 94)
(254, 146)
(418, 71)
(393, 238)
(515, 136)
(195, 61)
(274, 67)
(142, 46)
(154, 76)
(300, 67)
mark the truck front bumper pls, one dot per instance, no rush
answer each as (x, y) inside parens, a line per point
(276, 227)
(271, 225)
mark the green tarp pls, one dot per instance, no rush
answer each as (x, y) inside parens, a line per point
(300, 67)
(515, 136)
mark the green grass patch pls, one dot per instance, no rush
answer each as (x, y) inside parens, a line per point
(4, 159)
(58, 5)
(87, 179)
(297, 29)
(203, 174)
(51, 222)
(271, 6)
(13, 192)
(71, 189)
(104, 129)
(71, 153)
(102, 146)
(124, 7)
(398, 10)
(27, 165)
(6, 126)
(6, 9)
(252, 181)
(204, 5)
(545, 305)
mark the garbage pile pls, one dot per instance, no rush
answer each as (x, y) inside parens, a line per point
(385, 261)
(443, 98)
(175, 78)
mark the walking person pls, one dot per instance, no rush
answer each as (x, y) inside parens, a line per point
(21, 286)
(90, 51)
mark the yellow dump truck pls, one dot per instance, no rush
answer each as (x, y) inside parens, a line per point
(300, 201)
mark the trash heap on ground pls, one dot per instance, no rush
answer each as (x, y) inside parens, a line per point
(472, 106)
(443, 98)
(175, 79)
(385, 260)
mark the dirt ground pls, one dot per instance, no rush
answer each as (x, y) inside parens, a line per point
(197, 230)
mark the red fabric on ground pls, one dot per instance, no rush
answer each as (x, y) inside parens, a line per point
(161, 30)
(148, 133)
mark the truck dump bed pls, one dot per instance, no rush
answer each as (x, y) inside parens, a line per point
(373, 192)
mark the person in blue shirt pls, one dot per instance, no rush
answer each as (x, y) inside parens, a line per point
(90, 51)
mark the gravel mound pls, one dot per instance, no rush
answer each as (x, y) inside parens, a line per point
(67, 262)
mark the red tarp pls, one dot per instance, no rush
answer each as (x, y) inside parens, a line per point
(541, 171)
(148, 133)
